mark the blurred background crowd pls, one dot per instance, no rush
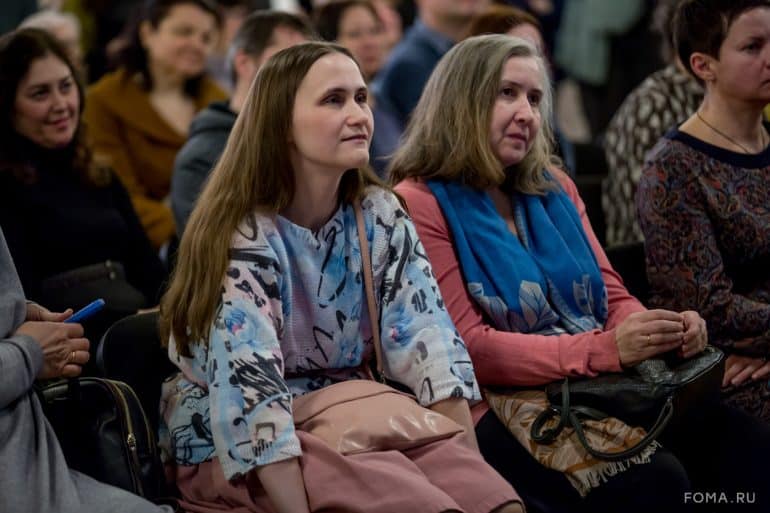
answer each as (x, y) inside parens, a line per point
(160, 83)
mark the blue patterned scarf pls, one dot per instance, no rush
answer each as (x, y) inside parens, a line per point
(546, 281)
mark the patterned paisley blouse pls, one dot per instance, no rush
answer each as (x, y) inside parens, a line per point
(665, 99)
(705, 213)
(293, 319)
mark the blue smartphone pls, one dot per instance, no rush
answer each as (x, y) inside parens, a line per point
(87, 311)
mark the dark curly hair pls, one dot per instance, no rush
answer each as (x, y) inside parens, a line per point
(18, 50)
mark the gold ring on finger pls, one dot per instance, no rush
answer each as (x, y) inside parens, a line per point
(649, 339)
(71, 357)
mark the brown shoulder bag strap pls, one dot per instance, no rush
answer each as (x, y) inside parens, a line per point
(366, 270)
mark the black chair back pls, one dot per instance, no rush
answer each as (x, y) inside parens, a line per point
(628, 261)
(130, 351)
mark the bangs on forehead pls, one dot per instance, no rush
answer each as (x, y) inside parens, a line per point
(29, 81)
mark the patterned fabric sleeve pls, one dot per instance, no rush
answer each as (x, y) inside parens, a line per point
(249, 397)
(624, 149)
(422, 348)
(684, 263)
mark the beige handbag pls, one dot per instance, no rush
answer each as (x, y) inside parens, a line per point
(363, 415)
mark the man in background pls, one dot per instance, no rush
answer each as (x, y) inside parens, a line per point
(440, 24)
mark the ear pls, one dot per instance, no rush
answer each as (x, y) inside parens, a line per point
(244, 66)
(704, 66)
(145, 32)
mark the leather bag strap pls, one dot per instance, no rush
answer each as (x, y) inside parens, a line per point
(662, 421)
(366, 270)
(571, 415)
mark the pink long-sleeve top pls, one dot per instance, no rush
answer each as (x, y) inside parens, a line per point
(502, 358)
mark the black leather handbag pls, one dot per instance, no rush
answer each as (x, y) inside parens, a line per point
(655, 395)
(105, 434)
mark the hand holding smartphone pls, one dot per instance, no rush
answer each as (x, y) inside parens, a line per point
(87, 311)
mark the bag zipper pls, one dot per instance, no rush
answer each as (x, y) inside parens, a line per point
(148, 432)
(130, 436)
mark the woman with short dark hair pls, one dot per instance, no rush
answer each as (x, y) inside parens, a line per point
(703, 197)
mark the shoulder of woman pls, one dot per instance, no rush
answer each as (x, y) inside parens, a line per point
(412, 189)
(209, 92)
(108, 85)
(254, 233)
(409, 198)
(670, 157)
(421, 204)
(666, 150)
(117, 95)
(380, 201)
(564, 180)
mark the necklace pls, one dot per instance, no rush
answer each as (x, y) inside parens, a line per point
(728, 138)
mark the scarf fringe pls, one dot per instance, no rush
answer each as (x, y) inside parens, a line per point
(587, 479)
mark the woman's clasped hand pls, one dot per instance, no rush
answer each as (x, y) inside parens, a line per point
(647, 334)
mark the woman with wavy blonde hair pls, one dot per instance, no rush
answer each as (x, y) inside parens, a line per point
(454, 105)
(525, 280)
(266, 305)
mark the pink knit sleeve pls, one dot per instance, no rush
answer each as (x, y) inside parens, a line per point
(516, 359)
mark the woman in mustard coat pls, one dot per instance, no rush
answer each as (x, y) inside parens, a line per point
(138, 116)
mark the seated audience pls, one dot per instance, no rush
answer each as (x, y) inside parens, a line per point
(138, 116)
(439, 25)
(703, 197)
(69, 222)
(356, 25)
(533, 294)
(266, 304)
(36, 344)
(664, 100)
(262, 34)
(64, 26)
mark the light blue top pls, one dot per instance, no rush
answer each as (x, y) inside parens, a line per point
(293, 304)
